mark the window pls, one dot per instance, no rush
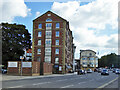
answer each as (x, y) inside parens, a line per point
(90, 54)
(85, 63)
(27, 54)
(57, 51)
(49, 14)
(48, 33)
(40, 26)
(30, 54)
(48, 25)
(57, 33)
(39, 42)
(57, 42)
(48, 20)
(91, 58)
(48, 59)
(48, 42)
(38, 59)
(84, 58)
(39, 34)
(56, 60)
(47, 49)
(39, 51)
(57, 25)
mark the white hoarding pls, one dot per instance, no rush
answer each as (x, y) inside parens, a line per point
(60, 68)
(26, 64)
(12, 64)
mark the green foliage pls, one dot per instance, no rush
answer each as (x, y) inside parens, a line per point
(15, 38)
(109, 60)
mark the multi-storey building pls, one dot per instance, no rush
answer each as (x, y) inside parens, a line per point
(88, 59)
(53, 42)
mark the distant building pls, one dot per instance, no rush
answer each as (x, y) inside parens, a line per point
(88, 59)
(28, 55)
(53, 42)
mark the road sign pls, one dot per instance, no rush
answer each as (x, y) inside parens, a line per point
(21, 57)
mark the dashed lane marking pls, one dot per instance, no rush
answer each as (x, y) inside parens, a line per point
(67, 86)
(41, 83)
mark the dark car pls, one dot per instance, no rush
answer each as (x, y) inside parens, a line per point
(81, 72)
(117, 71)
(96, 70)
(105, 72)
(114, 70)
(99, 70)
(4, 71)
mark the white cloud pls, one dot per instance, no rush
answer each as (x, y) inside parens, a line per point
(95, 15)
(12, 8)
(37, 14)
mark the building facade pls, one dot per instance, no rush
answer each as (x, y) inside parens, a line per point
(88, 59)
(28, 55)
(52, 42)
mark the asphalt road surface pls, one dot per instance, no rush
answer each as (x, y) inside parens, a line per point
(90, 80)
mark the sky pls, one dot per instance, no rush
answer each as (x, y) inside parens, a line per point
(94, 23)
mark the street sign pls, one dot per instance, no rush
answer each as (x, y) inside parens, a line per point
(21, 57)
(26, 64)
(12, 64)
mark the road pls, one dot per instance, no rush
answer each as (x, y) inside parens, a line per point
(90, 80)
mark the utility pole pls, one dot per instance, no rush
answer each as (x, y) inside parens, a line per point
(21, 57)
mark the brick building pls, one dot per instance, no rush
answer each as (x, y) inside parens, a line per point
(53, 42)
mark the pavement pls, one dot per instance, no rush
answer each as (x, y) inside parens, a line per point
(91, 80)
(6, 77)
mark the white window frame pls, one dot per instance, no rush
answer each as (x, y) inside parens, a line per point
(56, 51)
(39, 27)
(58, 26)
(39, 34)
(56, 33)
(56, 43)
(38, 52)
(48, 25)
(39, 42)
(56, 60)
(48, 42)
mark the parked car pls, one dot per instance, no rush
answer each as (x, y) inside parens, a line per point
(114, 70)
(95, 70)
(105, 72)
(80, 71)
(89, 71)
(99, 70)
(4, 71)
(71, 71)
(117, 71)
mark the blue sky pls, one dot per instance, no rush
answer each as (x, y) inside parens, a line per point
(93, 26)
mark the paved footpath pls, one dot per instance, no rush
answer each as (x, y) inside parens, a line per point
(6, 77)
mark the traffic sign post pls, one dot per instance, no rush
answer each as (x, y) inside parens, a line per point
(21, 57)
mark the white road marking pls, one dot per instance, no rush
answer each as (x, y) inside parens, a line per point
(63, 80)
(81, 82)
(67, 86)
(41, 83)
(16, 86)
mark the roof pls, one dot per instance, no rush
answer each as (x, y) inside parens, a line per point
(52, 13)
(87, 50)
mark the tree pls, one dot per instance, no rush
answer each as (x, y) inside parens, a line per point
(109, 60)
(15, 38)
